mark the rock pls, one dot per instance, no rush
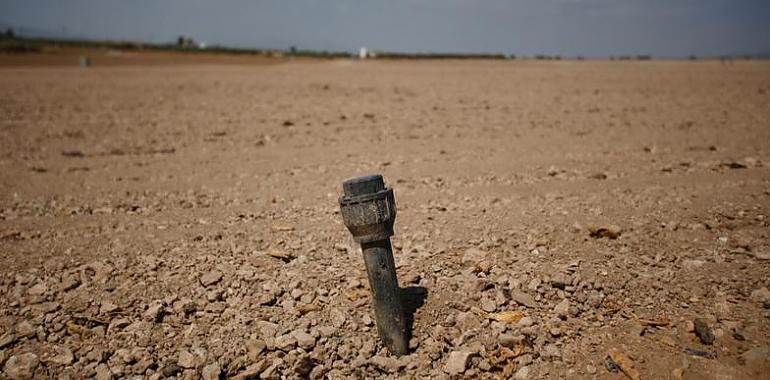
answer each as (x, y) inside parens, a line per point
(560, 281)
(22, 366)
(25, 330)
(251, 372)
(170, 370)
(761, 295)
(154, 312)
(304, 340)
(38, 290)
(63, 357)
(590, 369)
(524, 299)
(267, 329)
(703, 331)
(562, 309)
(388, 364)
(285, 342)
(522, 373)
(103, 372)
(185, 359)
(610, 231)
(510, 341)
(457, 362)
(7, 339)
(755, 355)
(119, 323)
(108, 307)
(304, 365)
(211, 278)
(525, 322)
(488, 305)
(211, 372)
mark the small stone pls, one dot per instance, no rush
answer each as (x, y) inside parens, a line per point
(103, 372)
(560, 281)
(389, 364)
(119, 323)
(25, 330)
(285, 342)
(522, 373)
(154, 312)
(304, 365)
(304, 340)
(525, 322)
(703, 331)
(488, 305)
(211, 278)
(170, 370)
(22, 366)
(562, 308)
(761, 295)
(63, 357)
(510, 341)
(38, 290)
(590, 369)
(7, 339)
(211, 372)
(108, 307)
(755, 355)
(185, 359)
(457, 362)
(524, 299)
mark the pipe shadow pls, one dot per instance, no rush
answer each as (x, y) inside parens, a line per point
(412, 298)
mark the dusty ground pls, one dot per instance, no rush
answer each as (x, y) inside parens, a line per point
(141, 207)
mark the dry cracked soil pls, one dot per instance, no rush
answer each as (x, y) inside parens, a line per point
(556, 220)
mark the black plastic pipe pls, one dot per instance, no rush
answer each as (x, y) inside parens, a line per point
(368, 209)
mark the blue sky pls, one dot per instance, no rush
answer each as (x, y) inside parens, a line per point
(524, 27)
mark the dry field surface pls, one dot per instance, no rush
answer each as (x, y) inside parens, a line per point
(562, 220)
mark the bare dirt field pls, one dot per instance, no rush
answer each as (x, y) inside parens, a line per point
(556, 220)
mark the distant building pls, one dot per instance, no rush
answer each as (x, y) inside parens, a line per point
(363, 52)
(185, 42)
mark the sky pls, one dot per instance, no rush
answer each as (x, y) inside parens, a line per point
(662, 28)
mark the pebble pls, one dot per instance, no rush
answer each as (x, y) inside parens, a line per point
(304, 340)
(761, 295)
(522, 373)
(523, 299)
(22, 366)
(25, 330)
(457, 362)
(562, 309)
(64, 357)
(703, 331)
(285, 342)
(154, 312)
(211, 372)
(185, 359)
(211, 278)
(389, 364)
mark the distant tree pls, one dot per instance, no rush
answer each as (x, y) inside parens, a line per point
(579, 58)
(9, 33)
(292, 50)
(512, 56)
(693, 57)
